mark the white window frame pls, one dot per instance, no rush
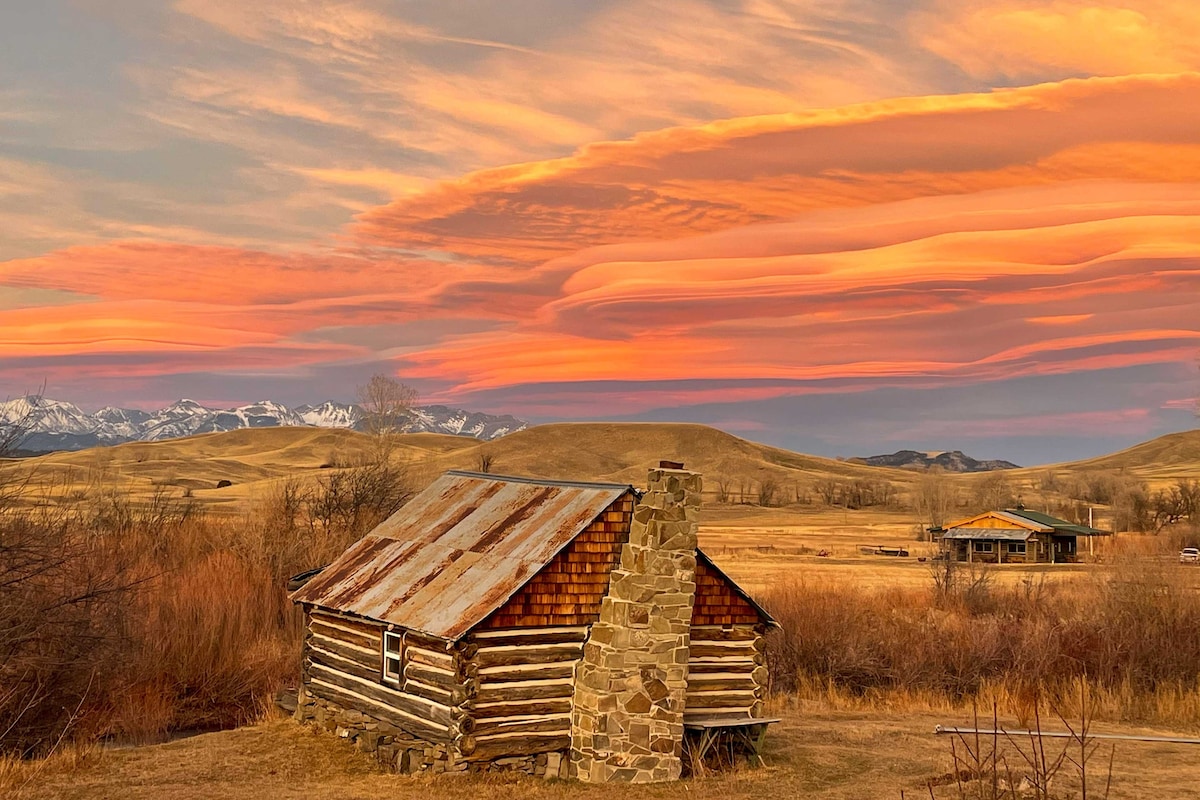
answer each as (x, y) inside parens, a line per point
(392, 653)
(1017, 548)
(984, 547)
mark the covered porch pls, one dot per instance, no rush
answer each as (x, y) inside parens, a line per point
(994, 546)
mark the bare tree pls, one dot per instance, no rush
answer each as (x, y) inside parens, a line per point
(993, 491)
(935, 498)
(15, 430)
(385, 404)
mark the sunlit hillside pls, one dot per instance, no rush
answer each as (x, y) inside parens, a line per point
(253, 461)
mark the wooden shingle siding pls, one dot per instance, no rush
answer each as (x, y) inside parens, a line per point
(727, 673)
(522, 682)
(717, 603)
(568, 590)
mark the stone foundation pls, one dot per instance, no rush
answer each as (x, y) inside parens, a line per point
(400, 752)
(631, 686)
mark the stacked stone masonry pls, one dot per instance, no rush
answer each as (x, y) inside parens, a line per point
(631, 687)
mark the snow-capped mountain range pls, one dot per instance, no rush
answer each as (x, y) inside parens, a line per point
(60, 425)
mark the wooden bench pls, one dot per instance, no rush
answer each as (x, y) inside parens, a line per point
(703, 736)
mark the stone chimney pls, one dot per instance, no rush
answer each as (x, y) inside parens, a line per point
(631, 686)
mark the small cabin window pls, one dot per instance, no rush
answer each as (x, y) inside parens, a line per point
(983, 547)
(1016, 547)
(393, 657)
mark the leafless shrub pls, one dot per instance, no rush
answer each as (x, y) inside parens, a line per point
(1176, 504)
(1133, 637)
(723, 492)
(768, 492)
(828, 489)
(64, 600)
(993, 491)
(982, 768)
(352, 501)
(935, 498)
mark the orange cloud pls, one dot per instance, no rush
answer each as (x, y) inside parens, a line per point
(1030, 231)
(1024, 39)
(680, 182)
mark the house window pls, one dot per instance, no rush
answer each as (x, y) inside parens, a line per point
(393, 657)
(1016, 547)
(983, 547)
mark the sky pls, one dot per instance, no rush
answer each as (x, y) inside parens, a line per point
(838, 226)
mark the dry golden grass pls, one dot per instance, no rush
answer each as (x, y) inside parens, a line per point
(816, 752)
(256, 460)
(755, 544)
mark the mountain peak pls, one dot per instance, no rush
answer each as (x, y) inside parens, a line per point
(60, 425)
(949, 460)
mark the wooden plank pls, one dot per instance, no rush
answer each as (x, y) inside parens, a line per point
(417, 707)
(719, 633)
(350, 699)
(356, 624)
(740, 666)
(524, 690)
(423, 655)
(481, 711)
(518, 744)
(334, 661)
(437, 677)
(345, 635)
(438, 694)
(546, 723)
(716, 681)
(363, 655)
(523, 636)
(722, 699)
(423, 640)
(533, 654)
(526, 672)
(720, 649)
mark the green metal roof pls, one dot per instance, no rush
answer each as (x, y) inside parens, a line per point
(1059, 525)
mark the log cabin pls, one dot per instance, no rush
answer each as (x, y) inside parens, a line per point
(1015, 536)
(562, 628)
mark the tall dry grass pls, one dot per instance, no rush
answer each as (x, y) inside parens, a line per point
(1133, 635)
(136, 620)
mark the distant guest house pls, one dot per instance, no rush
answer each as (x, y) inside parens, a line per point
(1015, 536)
(560, 628)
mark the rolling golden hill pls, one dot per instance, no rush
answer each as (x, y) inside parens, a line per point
(1176, 455)
(255, 460)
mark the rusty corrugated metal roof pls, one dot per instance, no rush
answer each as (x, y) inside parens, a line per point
(458, 550)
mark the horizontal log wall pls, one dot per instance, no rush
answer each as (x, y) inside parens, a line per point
(522, 682)
(727, 673)
(343, 664)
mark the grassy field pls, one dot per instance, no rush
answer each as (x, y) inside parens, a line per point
(202, 632)
(254, 461)
(753, 543)
(816, 752)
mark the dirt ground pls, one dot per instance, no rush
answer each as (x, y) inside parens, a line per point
(813, 753)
